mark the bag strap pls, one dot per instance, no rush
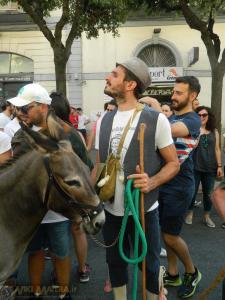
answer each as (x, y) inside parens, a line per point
(139, 107)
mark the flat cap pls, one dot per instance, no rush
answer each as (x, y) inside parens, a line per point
(139, 68)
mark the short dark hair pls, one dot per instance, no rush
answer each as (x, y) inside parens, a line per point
(112, 102)
(105, 105)
(129, 76)
(192, 81)
(61, 106)
(211, 123)
(166, 103)
(4, 105)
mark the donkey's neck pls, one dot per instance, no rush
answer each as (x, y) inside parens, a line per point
(22, 186)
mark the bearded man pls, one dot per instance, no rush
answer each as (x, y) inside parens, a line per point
(175, 196)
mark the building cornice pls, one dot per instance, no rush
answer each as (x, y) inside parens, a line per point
(160, 21)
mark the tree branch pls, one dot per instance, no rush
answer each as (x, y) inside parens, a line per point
(71, 36)
(214, 36)
(62, 22)
(196, 23)
(38, 19)
(192, 20)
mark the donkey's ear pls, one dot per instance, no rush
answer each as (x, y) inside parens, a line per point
(55, 129)
(38, 140)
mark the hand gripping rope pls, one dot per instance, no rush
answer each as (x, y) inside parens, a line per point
(132, 205)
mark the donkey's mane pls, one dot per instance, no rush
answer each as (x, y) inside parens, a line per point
(11, 161)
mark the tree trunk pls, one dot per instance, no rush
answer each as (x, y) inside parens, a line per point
(60, 60)
(216, 96)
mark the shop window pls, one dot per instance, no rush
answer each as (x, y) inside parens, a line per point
(11, 63)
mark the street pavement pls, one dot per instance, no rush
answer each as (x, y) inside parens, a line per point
(207, 247)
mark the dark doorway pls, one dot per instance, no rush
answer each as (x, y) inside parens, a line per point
(10, 89)
(161, 93)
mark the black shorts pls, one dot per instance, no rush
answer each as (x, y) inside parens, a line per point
(173, 206)
(117, 266)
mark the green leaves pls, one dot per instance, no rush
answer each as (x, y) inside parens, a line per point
(93, 15)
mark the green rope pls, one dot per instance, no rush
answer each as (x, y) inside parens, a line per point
(132, 205)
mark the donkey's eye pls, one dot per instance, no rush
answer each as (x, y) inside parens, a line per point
(73, 183)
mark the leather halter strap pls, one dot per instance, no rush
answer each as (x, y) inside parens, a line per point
(86, 216)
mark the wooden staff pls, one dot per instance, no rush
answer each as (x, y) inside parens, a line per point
(142, 208)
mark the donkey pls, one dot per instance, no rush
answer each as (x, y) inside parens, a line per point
(51, 176)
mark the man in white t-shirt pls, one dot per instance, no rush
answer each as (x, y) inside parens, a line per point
(5, 147)
(14, 125)
(83, 120)
(125, 83)
(5, 115)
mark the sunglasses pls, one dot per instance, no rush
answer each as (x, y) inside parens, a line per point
(203, 115)
(25, 109)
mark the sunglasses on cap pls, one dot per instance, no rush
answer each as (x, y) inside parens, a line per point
(203, 115)
(25, 109)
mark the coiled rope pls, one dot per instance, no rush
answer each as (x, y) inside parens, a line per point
(132, 205)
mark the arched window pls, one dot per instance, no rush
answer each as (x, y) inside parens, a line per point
(156, 55)
(11, 63)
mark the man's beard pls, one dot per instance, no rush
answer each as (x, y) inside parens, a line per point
(118, 96)
(37, 121)
(179, 106)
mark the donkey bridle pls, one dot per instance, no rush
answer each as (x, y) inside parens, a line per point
(80, 207)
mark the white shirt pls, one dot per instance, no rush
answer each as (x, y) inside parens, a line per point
(82, 119)
(99, 121)
(12, 127)
(4, 119)
(163, 138)
(5, 142)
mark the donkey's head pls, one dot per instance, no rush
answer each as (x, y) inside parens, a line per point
(68, 188)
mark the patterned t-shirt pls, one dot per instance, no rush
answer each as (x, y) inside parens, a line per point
(185, 145)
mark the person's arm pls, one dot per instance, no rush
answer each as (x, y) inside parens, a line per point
(167, 150)
(87, 120)
(179, 129)
(94, 170)
(154, 103)
(5, 156)
(5, 148)
(167, 172)
(218, 156)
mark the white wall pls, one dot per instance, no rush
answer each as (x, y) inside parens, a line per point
(31, 44)
(100, 55)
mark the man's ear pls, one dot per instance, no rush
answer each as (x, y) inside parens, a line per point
(193, 96)
(131, 85)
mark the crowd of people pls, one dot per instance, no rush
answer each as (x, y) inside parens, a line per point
(181, 150)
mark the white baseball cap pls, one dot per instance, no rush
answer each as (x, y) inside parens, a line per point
(32, 92)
